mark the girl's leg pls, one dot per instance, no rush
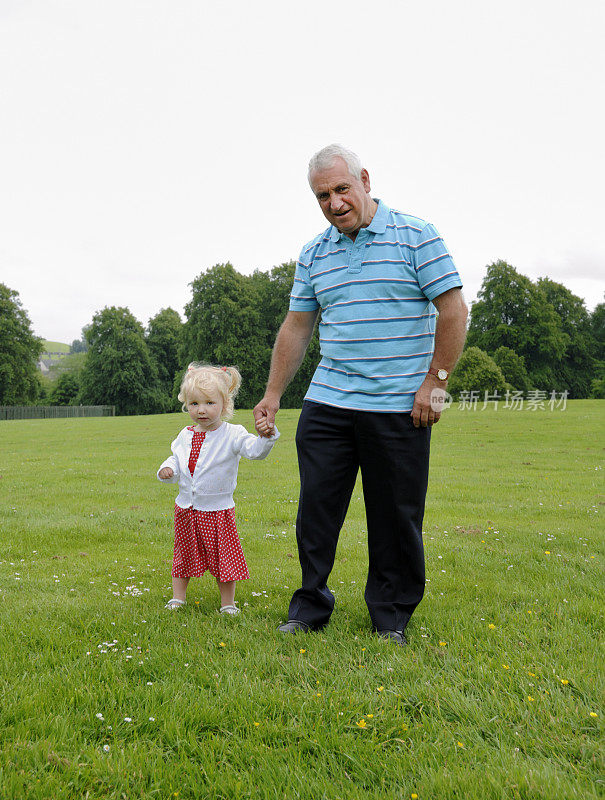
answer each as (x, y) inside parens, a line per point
(227, 590)
(179, 588)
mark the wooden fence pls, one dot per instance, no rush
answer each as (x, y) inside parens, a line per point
(55, 412)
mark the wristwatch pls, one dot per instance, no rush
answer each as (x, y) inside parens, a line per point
(442, 374)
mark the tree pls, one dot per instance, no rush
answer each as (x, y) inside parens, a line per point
(65, 391)
(224, 327)
(164, 337)
(576, 370)
(233, 319)
(80, 345)
(513, 312)
(513, 368)
(597, 385)
(19, 351)
(118, 369)
(476, 371)
(273, 292)
(597, 329)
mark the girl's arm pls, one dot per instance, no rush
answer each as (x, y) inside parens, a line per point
(172, 464)
(248, 445)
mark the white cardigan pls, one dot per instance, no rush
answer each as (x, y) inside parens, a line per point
(214, 479)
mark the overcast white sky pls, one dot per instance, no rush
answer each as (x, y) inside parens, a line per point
(141, 142)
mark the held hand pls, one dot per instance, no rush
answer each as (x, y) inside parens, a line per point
(264, 427)
(165, 473)
(424, 413)
(264, 415)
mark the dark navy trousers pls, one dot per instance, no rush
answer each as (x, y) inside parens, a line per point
(393, 455)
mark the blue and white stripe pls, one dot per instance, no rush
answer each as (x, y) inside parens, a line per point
(377, 323)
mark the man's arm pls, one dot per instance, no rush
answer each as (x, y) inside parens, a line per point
(450, 334)
(288, 352)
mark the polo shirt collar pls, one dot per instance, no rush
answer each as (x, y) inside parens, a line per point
(377, 225)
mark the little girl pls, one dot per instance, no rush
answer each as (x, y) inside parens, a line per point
(204, 461)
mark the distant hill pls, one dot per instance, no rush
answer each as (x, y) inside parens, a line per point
(55, 347)
(53, 353)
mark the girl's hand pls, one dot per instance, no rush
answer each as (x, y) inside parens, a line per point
(165, 473)
(264, 427)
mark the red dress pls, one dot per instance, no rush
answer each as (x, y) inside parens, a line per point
(206, 540)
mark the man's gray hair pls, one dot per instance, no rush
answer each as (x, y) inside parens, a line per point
(325, 158)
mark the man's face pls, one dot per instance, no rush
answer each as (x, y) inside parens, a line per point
(344, 199)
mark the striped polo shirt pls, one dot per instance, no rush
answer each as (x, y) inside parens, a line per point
(377, 324)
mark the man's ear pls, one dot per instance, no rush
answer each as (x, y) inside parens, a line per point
(365, 179)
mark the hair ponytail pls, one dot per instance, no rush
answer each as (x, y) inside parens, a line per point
(234, 380)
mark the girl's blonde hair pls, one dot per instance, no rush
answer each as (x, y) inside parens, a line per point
(206, 379)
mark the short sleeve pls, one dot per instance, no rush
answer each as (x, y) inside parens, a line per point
(434, 265)
(303, 297)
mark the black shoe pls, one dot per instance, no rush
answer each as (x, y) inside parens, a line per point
(293, 626)
(394, 636)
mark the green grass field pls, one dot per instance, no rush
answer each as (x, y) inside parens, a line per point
(499, 694)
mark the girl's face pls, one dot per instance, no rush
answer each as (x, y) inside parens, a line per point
(205, 409)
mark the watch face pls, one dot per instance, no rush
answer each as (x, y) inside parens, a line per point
(442, 374)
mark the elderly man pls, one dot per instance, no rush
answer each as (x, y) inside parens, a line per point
(376, 275)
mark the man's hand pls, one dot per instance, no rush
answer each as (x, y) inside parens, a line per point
(165, 473)
(423, 413)
(450, 334)
(264, 415)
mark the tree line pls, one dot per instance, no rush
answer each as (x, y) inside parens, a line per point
(231, 319)
(522, 335)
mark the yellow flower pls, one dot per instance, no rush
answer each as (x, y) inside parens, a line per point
(222, 644)
(460, 744)
(363, 649)
(505, 666)
(491, 626)
(256, 724)
(302, 650)
(482, 541)
(414, 796)
(370, 715)
(318, 694)
(197, 602)
(593, 714)
(381, 688)
(529, 611)
(442, 644)
(547, 552)
(530, 698)
(532, 674)
(564, 681)
(362, 723)
(404, 727)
